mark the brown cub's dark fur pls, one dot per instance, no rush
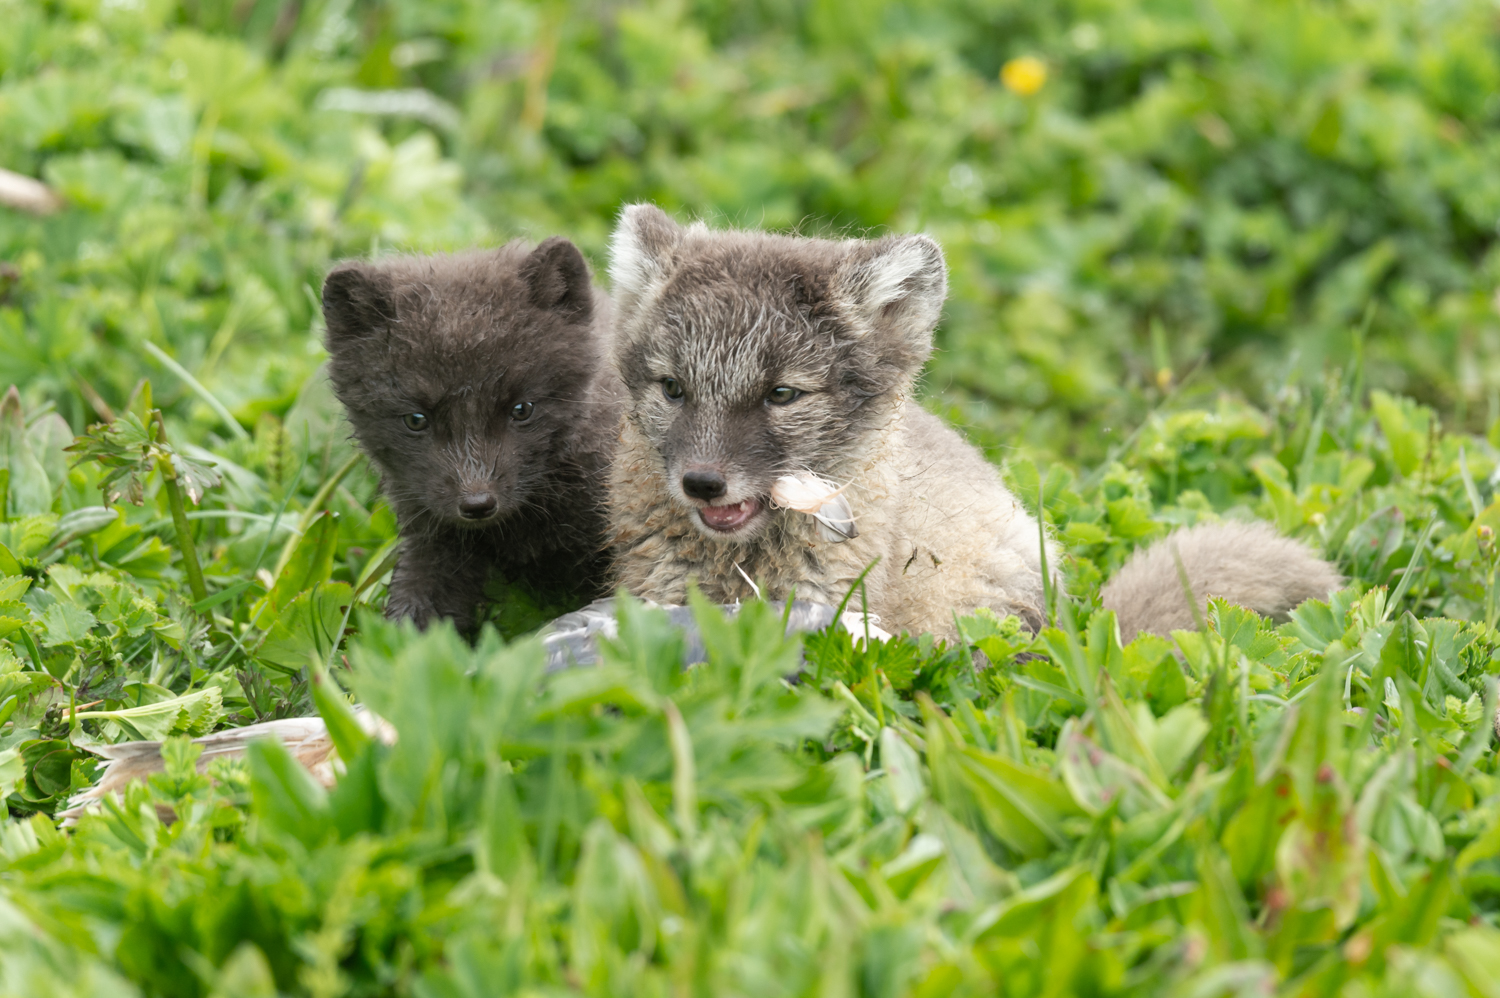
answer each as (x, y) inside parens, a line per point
(477, 383)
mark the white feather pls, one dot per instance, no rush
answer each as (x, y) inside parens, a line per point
(824, 502)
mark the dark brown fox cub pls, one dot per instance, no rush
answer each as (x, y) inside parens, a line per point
(477, 383)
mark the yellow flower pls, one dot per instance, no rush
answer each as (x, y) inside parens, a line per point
(1024, 75)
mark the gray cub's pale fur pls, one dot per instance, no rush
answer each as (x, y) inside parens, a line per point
(748, 356)
(478, 384)
(1248, 564)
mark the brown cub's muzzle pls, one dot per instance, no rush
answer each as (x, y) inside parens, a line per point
(478, 506)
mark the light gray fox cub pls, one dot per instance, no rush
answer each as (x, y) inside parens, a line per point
(749, 357)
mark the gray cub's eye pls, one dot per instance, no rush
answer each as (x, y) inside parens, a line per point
(521, 411)
(415, 421)
(673, 389)
(783, 395)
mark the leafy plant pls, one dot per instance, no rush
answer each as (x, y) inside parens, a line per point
(1152, 203)
(130, 451)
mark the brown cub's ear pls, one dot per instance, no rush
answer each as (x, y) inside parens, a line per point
(357, 302)
(558, 278)
(639, 251)
(895, 287)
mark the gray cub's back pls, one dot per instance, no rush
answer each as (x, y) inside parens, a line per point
(477, 383)
(749, 356)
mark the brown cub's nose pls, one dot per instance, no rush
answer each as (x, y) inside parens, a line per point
(703, 483)
(480, 506)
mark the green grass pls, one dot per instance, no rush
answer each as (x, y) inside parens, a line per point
(1203, 272)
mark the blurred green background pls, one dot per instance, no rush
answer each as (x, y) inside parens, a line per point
(1238, 194)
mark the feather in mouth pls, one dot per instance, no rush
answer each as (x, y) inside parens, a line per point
(819, 499)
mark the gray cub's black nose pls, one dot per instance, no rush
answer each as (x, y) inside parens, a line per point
(478, 507)
(703, 483)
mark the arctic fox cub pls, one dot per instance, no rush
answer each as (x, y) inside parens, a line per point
(478, 383)
(767, 373)
(751, 357)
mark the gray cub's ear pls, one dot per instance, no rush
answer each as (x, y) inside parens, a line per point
(357, 302)
(639, 250)
(897, 285)
(558, 278)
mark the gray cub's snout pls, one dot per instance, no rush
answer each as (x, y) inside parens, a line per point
(707, 484)
(478, 506)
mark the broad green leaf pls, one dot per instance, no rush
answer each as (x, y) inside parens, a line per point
(1099, 780)
(916, 863)
(22, 684)
(81, 523)
(1130, 520)
(615, 908)
(28, 491)
(1174, 737)
(1321, 857)
(1220, 907)
(311, 563)
(1253, 832)
(13, 615)
(646, 644)
(500, 840)
(1046, 913)
(1475, 952)
(903, 770)
(1021, 806)
(246, 974)
(1371, 545)
(49, 769)
(66, 623)
(307, 627)
(1279, 492)
(48, 438)
(975, 877)
(349, 739)
(194, 713)
(1167, 687)
(1405, 427)
(12, 771)
(355, 803)
(28, 536)
(286, 800)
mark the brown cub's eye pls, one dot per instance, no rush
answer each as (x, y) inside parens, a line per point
(673, 389)
(521, 411)
(415, 421)
(783, 395)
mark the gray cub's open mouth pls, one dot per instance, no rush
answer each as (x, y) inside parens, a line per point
(730, 518)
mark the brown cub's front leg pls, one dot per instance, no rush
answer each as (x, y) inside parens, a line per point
(437, 578)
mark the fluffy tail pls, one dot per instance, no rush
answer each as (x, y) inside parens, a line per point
(1247, 564)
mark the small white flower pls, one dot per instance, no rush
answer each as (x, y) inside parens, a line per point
(807, 493)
